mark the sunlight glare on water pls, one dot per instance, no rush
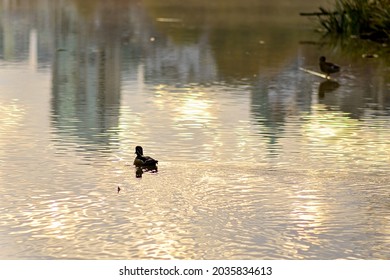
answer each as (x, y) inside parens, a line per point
(257, 159)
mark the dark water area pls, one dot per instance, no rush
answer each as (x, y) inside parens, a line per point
(258, 159)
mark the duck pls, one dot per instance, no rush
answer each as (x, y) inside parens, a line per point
(143, 161)
(328, 67)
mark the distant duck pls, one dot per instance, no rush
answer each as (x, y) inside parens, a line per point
(328, 67)
(143, 161)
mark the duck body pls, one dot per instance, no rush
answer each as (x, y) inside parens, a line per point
(143, 161)
(328, 67)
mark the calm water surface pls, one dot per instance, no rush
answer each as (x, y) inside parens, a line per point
(257, 159)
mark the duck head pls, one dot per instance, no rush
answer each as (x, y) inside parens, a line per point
(322, 59)
(139, 151)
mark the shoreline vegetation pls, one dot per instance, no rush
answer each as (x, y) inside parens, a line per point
(365, 19)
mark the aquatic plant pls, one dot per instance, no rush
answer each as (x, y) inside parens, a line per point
(367, 19)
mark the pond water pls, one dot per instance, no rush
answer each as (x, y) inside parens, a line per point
(257, 159)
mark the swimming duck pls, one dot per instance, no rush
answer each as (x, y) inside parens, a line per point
(143, 161)
(328, 67)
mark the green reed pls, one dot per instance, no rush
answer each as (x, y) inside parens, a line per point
(368, 19)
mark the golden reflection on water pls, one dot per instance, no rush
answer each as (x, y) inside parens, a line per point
(189, 105)
(309, 215)
(347, 138)
(194, 110)
(11, 116)
(59, 221)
